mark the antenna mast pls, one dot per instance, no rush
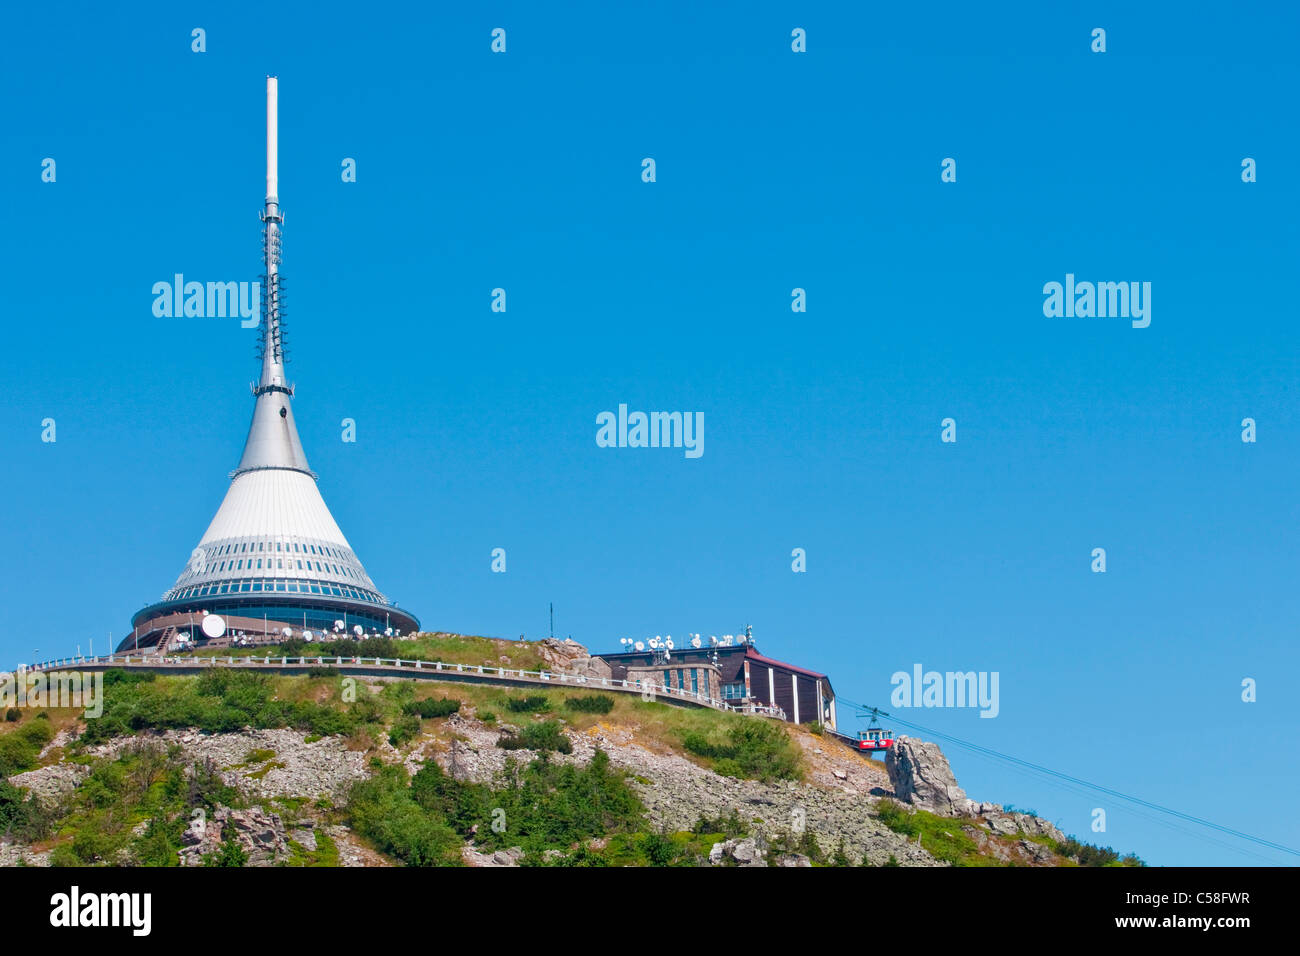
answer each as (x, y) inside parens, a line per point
(273, 376)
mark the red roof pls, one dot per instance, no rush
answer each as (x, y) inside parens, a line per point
(753, 655)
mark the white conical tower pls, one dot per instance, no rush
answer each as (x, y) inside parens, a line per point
(273, 553)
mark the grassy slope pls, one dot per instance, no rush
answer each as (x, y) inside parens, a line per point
(656, 726)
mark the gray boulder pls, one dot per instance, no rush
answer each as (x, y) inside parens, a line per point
(920, 775)
(750, 851)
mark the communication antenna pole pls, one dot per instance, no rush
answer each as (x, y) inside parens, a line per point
(552, 620)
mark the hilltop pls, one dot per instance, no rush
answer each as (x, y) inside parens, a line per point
(235, 767)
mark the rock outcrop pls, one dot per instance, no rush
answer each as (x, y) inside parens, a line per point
(570, 657)
(920, 775)
(261, 835)
(751, 851)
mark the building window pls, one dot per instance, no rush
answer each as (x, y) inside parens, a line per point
(695, 681)
(734, 691)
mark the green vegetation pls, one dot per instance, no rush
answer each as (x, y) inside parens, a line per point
(755, 749)
(541, 735)
(942, 837)
(147, 784)
(1089, 854)
(591, 704)
(21, 748)
(727, 827)
(423, 820)
(325, 854)
(218, 701)
(404, 728)
(533, 703)
(230, 852)
(431, 707)
(447, 648)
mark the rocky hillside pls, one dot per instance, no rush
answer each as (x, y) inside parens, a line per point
(239, 768)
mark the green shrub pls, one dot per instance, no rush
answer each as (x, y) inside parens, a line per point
(729, 826)
(526, 705)
(20, 749)
(404, 728)
(220, 700)
(544, 806)
(591, 704)
(1088, 854)
(659, 850)
(541, 735)
(13, 715)
(755, 748)
(230, 853)
(383, 810)
(431, 707)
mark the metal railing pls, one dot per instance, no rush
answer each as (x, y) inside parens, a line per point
(471, 671)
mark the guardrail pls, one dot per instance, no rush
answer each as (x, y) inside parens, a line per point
(471, 673)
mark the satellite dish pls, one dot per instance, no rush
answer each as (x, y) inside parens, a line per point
(214, 626)
(358, 630)
(669, 644)
(695, 641)
(307, 635)
(287, 631)
(388, 632)
(713, 640)
(339, 625)
(639, 646)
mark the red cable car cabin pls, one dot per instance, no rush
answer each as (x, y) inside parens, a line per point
(875, 739)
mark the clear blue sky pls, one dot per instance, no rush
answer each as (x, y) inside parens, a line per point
(775, 170)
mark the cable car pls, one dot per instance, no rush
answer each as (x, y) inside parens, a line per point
(875, 737)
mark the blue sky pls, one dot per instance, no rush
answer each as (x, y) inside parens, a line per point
(775, 170)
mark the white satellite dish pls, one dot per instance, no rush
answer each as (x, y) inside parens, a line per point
(358, 630)
(388, 632)
(339, 625)
(308, 636)
(695, 641)
(713, 640)
(639, 646)
(214, 625)
(287, 631)
(669, 644)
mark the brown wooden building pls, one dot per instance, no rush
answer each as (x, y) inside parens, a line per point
(745, 678)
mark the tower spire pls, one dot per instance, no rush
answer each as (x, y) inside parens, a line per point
(272, 437)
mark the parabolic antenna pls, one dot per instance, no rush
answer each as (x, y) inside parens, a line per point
(695, 641)
(214, 625)
(639, 646)
(287, 631)
(358, 630)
